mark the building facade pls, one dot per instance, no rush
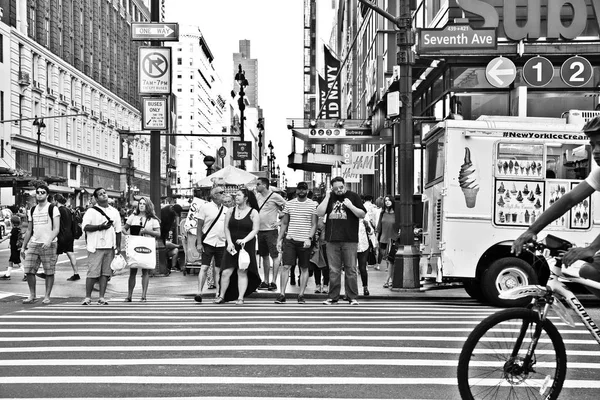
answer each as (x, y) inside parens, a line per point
(74, 67)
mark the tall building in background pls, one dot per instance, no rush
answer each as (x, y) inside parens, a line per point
(72, 63)
(253, 112)
(201, 107)
(250, 67)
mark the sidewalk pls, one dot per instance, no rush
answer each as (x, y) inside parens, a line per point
(176, 285)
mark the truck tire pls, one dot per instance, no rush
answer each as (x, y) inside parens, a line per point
(474, 289)
(504, 274)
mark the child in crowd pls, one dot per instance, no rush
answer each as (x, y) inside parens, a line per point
(16, 242)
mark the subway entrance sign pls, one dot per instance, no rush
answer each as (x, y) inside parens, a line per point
(456, 37)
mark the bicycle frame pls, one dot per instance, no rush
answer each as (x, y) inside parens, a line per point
(554, 290)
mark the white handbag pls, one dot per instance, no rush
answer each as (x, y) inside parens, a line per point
(243, 259)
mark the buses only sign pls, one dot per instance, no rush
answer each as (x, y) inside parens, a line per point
(154, 113)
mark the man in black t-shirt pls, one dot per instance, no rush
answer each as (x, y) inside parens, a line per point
(168, 219)
(343, 210)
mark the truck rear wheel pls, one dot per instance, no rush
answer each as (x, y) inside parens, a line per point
(473, 288)
(507, 273)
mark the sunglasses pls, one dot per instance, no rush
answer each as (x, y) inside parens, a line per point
(40, 192)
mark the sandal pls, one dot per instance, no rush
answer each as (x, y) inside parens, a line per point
(127, 300)
(143, 299)
(239, 302)
(386, 285)
(219, 300)
(102, 302)
(29, 300)
(46, 301)
(86, 302)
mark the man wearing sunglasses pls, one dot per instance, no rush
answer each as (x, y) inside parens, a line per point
(40, 243)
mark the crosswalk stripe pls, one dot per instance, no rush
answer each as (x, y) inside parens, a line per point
(302, 348)
(261, 380)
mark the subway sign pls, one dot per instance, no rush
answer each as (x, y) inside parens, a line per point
(544, 18)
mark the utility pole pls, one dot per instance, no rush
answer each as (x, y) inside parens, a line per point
(155, 155)
(406, 271)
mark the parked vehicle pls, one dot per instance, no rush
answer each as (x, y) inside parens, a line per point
(485, 182)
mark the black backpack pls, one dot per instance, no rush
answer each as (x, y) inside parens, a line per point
(76, 225)
(50, 210)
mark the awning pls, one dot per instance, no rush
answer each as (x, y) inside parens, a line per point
(313, 162)
(60, 189)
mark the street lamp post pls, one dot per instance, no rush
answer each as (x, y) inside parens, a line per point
(240, 77)
(190, 172)
(270, 161)
(261, 128)
(209, 161)
(129, 172)
(40, 124)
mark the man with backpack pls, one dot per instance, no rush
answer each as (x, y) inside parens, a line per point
(67, 234)
(40, 243)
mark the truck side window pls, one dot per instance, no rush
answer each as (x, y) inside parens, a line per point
(568, 161)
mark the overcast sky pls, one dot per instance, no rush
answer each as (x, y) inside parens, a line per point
(275, 29)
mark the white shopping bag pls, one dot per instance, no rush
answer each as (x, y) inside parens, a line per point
(141, 252)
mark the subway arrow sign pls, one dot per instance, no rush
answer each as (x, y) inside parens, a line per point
(162, 31)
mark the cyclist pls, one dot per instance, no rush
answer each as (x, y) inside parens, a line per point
(564, 204)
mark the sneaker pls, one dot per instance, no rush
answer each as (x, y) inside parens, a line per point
(366, 291)
(280, 299)
(301, 300)
(198, 298)
(272, 286)
(353, 302)
(318, 289)
(75, 277)
(210, 287)
(325, 289)
(263, 286)
(41, 275)
(5, 277)
(330, 302)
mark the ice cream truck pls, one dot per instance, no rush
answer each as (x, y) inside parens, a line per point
(485, 182)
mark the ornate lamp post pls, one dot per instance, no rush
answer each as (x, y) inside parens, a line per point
(40, 124)
(130, 171)
(261, 129)
(190, 172)
(209, 161)
(240, 78)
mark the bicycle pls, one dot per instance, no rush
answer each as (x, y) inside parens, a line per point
(518, 353)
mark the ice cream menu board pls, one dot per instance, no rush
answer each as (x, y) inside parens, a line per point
(579, 216)
(518, 202)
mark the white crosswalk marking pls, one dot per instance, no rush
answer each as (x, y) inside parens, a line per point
(180, 349)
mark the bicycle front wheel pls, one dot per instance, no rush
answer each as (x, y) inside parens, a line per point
(493, 363)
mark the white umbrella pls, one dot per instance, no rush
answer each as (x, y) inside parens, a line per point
(229, 175)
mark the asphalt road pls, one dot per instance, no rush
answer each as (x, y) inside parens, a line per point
(380, 350)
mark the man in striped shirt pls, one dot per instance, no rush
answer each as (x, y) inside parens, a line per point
(295, 238)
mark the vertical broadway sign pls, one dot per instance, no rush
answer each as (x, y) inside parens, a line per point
(322, 94)
(333, 104)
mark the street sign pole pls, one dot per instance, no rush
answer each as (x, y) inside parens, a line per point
(155, 135)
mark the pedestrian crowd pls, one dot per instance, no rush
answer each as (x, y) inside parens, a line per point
(339, 235)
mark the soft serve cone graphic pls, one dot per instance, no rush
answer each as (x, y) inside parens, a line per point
(468, 180)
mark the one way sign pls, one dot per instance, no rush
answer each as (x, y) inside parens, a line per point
(162, 31)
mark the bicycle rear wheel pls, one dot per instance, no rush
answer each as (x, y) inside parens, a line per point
(492, 361)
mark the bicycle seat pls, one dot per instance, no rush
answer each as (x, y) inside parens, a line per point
(556, 243)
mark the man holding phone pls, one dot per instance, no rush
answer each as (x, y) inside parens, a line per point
(343, 210)
(102, 223)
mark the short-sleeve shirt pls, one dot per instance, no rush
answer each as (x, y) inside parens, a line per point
(151, 224)
(269, 212)
(42, 224)
(207, 213)
(301, 217)
(342, 224)
(105, 239)
(593, 179)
